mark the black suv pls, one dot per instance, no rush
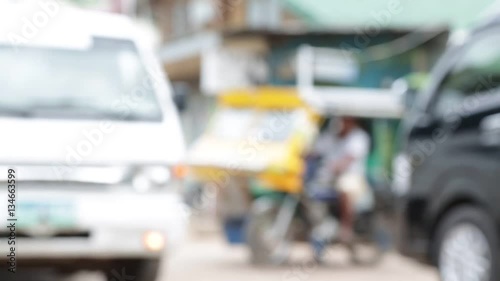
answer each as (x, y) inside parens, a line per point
(448, 175)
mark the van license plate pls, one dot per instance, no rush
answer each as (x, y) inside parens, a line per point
(50, 214)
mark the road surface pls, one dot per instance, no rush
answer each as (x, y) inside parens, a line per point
(211, 259)
(208, 258)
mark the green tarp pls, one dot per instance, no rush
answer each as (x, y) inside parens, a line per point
(391, 13)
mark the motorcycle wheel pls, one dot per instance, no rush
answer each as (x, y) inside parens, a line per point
(369, 248)
(265, 247)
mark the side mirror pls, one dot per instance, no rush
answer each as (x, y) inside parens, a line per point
(180, 95)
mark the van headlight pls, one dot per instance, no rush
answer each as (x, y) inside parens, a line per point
(150, 178)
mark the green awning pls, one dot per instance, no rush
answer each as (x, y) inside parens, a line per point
(390, 13)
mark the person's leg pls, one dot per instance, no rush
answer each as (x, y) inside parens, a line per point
(346, 217)
(355, 197)
(348, 186)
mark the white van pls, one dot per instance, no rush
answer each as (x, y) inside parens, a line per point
(90, 144)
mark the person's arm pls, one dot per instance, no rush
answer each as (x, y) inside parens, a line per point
(341, 165)
(319, 147)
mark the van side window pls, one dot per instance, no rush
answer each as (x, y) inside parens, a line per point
(475, 76)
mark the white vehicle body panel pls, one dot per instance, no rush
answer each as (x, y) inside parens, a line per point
(51, 168)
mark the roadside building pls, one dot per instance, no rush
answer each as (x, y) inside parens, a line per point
(213, 45)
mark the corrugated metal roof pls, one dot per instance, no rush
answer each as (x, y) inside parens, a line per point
(390, 13)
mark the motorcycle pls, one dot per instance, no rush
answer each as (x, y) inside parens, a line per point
(276, 222)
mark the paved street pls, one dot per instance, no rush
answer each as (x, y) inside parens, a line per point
(209, 258)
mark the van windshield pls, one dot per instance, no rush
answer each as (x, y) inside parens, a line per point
(106, 81)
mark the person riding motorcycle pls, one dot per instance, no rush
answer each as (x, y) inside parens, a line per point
(342, 151)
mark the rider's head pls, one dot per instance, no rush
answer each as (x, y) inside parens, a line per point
(347, 124)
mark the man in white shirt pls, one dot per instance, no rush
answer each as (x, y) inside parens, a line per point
(344, 149)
